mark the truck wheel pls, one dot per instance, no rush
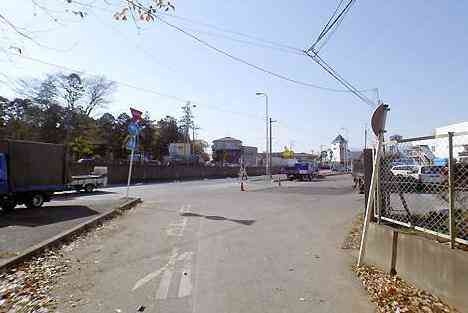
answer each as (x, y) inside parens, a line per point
(35, 201)
(8, 206)
(89, 188)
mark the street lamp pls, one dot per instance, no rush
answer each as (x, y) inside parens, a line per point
(267, 160)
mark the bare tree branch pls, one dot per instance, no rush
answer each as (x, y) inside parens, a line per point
(97, 92)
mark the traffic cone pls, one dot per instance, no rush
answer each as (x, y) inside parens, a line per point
(242, 186)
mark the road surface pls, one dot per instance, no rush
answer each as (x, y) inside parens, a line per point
(207, 247)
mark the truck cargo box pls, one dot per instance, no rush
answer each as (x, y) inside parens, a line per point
(35, 166)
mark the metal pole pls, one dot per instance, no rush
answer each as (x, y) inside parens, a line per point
(271, 147)
(365, 137)
(267, 155)
(451, 194)
(130, 171)
(370, 200)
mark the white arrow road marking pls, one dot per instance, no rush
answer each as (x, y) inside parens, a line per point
(177, 229)
(185, 287)
(155, 274)
(164, 285)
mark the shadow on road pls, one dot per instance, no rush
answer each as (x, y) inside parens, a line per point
(219, 218)
(310, 190)
(45, 215)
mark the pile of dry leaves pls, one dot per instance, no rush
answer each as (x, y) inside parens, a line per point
(392, 294)
(26, 288)
(353, 239)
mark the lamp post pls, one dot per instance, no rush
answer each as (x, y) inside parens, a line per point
(267, 157)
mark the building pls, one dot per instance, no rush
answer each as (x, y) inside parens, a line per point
(432, 150)
(227, 150)
(249, 155)
(180, 149)
(440, 145)
(339, 150)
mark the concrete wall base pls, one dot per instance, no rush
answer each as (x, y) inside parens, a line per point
(427, 264)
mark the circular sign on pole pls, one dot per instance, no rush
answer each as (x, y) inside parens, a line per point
(133, 129)
(378, 119)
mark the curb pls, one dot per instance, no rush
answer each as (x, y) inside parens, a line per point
(57, 239)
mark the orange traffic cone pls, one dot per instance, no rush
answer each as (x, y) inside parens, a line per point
(242, 186)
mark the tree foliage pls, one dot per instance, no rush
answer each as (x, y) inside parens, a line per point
(60, 109)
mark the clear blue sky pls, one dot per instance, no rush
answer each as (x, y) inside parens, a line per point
(415, 52)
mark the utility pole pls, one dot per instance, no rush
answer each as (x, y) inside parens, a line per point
(271, 146)
(267, 157)
(365, 137)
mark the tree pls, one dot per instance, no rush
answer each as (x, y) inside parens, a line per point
(323, 156)
(330, 155)
(288, 153)
(167, 131)
(15, 36)
(98, 91)
(147, 135)
(81, 147)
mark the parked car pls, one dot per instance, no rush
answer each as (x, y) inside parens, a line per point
(426, 174)
(86, 160)
(404, 170)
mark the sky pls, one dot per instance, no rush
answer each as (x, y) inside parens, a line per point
(414, 52)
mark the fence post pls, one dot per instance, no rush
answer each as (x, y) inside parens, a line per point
(451, 193)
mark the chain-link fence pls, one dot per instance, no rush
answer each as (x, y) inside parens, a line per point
(418, 190)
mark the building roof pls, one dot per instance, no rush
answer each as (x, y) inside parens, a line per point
(339, 139)
(227, 139)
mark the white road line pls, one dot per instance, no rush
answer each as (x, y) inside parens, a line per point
(148, 278)
(177, 229)
(185, 287)
(155, 274)
(164, 285)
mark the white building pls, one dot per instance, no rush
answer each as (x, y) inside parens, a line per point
(339, 150)
(426, 151)
(440, 146)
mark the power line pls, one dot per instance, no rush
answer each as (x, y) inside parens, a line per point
(235, 58)
(333, 23)
(231, 56)
(146, 90)
(330, 70)
(268, 43)
(251, 43)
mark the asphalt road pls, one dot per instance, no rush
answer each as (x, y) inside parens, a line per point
(207, 247)
(24, 228)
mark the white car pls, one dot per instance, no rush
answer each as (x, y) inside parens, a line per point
(427, 174)
(430, 174)
(404, 170)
